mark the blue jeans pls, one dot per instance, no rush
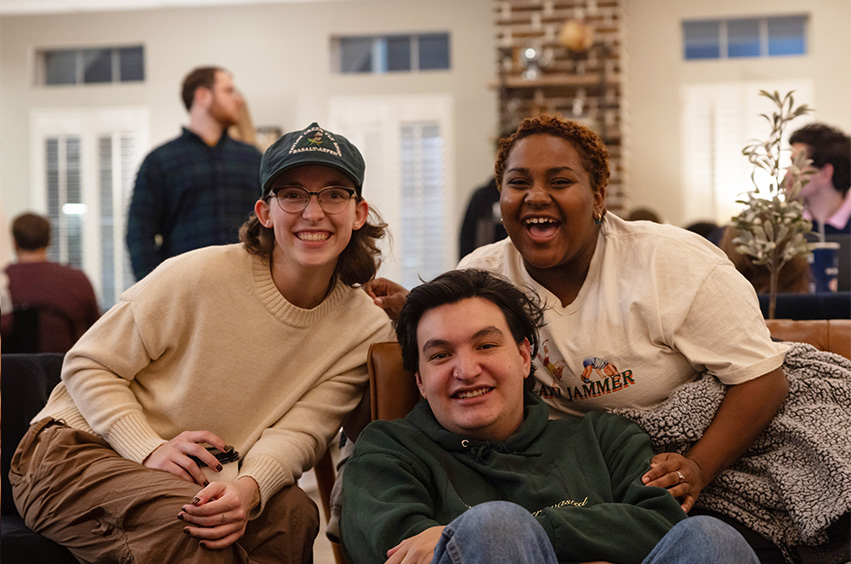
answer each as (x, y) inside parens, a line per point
(702, 540)
(496, 531)
(500, 531)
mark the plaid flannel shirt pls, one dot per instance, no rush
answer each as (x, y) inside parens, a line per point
(191, 195)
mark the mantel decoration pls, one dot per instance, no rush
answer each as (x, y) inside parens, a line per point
(771, 228)
(534, 58)
(577, 36)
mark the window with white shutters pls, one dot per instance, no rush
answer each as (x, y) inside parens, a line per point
(116, 160)
(718, 120)
(421, 154)
(407, 142)
(65, 206)
(86, 163)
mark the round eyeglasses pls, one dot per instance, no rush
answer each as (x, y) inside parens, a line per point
(294, 199)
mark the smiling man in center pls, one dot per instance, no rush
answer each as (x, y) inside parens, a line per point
(476, 473)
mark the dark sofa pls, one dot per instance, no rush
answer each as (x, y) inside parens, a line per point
(826, 305)
(27, 380)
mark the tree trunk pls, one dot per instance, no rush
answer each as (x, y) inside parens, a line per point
(773, 276)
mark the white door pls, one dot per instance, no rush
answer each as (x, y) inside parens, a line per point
(84, 163)
(407, 144)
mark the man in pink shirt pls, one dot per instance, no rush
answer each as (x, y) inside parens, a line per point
(826, 197)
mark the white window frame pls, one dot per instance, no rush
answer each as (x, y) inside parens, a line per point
(89, 124)
(717, 120)
(762, 27)
(40, 67)
(374, 124)
(379, 53)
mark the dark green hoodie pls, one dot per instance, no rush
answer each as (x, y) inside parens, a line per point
(580, 476)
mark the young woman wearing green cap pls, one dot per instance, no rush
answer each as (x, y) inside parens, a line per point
(258, 347)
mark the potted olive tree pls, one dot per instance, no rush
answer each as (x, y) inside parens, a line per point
(771, 228)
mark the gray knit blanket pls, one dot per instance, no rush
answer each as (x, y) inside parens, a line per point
(795, 479)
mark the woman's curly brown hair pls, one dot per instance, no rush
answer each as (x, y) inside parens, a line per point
(358, 262)
(592, 151)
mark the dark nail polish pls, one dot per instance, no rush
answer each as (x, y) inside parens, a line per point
(206, 483)
(228, 448)
(180, 516)
(196, 500)
(203, 545)
(218, 467)
(186, 530)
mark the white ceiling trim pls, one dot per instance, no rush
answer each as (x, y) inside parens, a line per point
(64, 6)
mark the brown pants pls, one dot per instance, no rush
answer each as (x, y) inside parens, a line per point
(71, 487)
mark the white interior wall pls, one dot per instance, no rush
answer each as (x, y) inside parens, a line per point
(656, 72)
(279, 54)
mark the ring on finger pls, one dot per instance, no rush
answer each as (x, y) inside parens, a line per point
(680, 474)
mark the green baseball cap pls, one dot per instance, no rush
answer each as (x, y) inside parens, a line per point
(312, 145)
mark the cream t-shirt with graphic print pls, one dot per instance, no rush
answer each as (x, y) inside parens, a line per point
(659, 306)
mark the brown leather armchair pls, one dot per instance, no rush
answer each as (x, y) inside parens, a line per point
(832, 335)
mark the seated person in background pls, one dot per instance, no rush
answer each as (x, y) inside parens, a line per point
(794, 277)
(643, 214)
(477, 473)
(36, 281)
(826, 199)
(702, 228)
(258, 347)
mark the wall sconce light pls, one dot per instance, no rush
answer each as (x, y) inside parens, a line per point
(534, 58)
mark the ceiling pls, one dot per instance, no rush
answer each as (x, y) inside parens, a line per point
(55, 6)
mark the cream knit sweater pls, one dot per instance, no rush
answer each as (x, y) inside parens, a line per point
(207, 342)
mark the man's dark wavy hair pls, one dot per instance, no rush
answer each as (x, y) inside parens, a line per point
(523, 313)
(827, 145)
